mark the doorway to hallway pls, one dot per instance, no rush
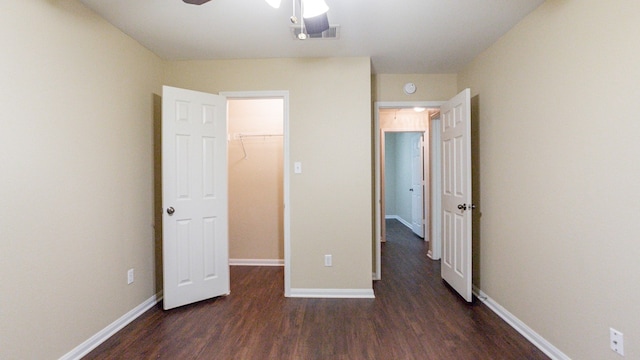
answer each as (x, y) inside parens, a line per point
(405, 118)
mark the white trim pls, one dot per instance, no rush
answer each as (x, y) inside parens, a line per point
(284, 95)
(403, 221)
(435, 162)
(256, 262)
(333, 293)
(378, 194)
(83, 349)
(533, 337)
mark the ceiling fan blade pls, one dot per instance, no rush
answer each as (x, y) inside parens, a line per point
(196, 2)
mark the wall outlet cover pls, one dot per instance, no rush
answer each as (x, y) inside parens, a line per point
(616, 341)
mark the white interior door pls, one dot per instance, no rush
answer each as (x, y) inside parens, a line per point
(456, 193)
(194, 196)
(417, 185)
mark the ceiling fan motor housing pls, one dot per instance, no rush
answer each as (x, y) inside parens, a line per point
(196, 2)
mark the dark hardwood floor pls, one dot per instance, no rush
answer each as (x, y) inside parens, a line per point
(414, 316)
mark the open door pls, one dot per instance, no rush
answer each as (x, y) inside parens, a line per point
(455, 117)
(417, 185)
(194, 196)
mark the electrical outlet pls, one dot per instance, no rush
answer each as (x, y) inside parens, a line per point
(617, 341)
(327, 260)
(129, 276)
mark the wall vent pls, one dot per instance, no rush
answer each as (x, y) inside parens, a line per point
(333, 32)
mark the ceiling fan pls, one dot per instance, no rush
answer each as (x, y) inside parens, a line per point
(313, 12)
(196, 2)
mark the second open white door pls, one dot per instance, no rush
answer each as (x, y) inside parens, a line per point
(456, 267)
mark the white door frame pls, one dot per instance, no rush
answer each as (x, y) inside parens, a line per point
(378, 197)
(422, 190)
(435, 184)
(284, 95)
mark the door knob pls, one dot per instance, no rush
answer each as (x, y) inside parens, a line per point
(462, 206)
(170, 211)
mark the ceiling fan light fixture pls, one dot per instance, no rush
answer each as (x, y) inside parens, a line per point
(274, 3)
(313, 8)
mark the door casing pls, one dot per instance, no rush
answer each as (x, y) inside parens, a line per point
(419, 167)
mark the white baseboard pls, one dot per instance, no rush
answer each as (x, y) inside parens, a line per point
(430, 255)
(83, 349)
(333, 293)
(256, 262)
(533, 337)
(403, 221)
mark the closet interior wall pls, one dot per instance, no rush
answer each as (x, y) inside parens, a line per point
(256, 231)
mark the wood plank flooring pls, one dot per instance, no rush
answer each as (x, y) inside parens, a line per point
(414, 316)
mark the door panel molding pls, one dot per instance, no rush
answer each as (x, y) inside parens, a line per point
(457, 213)
(194, 196)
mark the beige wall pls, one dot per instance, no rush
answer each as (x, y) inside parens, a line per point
(76, 148)
(330, 133)
(429, 87)
(558, 100)
(256, 198)
(78, 170)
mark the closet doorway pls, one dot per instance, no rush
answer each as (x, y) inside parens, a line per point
(258, 181)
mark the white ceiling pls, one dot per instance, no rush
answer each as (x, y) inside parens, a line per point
(400, 36)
